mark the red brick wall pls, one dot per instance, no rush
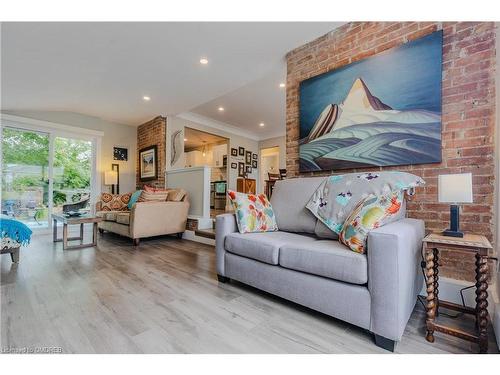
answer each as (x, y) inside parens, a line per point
(468, 113)
(151, 133)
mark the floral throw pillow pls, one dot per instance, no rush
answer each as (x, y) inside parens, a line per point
(370, 213)
(254, 212)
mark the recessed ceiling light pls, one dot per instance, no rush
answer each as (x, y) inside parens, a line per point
(185, 139)
(282, 85)
(146, 98)
(204, 61)
(261, 124)
(221, 109)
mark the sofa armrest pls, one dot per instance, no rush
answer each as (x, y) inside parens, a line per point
(157, 218)
(224, 225)
(394, 275)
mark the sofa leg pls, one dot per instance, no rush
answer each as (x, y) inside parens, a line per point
(179, 235)
(385, 343)
(14, 255)
(136, 241)
(101, 231)
(223, 279)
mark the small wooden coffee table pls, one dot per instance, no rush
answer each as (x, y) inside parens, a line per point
(74, 220)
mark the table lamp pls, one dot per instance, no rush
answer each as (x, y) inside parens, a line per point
(455, 188)
(111, 178)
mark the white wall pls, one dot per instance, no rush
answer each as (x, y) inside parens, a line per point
(114, 135)
(175, 123)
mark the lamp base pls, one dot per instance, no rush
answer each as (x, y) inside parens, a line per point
(453, 233)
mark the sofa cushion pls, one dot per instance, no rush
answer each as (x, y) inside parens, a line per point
(289, 201)
(108, 215)
(123, 218)
(326, 258)
(263, 246)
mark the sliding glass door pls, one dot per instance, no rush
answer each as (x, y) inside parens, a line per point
(45, 173)
(25, 176)
(72, 172)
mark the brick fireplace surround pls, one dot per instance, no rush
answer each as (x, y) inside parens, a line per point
(468, 121)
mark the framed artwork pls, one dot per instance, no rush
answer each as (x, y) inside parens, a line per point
(241, 151)
(248, 169)
(234, 165)
(384, 110)
(241, 169)
(120, 153)
(254, 163)
(148, 163)
(254, 156)
(248, 157)
(234, 152)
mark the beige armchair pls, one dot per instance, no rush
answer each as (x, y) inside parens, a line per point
(146, 219)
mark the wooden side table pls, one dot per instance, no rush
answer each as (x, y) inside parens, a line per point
(470, 243)
(84, 219)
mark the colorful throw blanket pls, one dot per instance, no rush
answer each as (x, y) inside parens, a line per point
(15, 230)
(338, 195)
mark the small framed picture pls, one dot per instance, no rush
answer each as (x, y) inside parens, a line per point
(248, 158)
(248, 169)
(120, 153)
(254, 156)
(254, 164)
(241, 151)
(234, 151)
(148, 166)
(234, 165)
(241, 169)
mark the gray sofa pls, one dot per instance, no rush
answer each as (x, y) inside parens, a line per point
(304, 262)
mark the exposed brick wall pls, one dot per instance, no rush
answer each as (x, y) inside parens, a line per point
(468, 117)
(152, 133)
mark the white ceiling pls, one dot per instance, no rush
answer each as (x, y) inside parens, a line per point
(104, 69)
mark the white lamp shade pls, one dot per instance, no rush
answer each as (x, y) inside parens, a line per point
(455, 188)
(110, 178)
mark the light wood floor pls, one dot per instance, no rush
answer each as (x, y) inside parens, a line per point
(163, 297)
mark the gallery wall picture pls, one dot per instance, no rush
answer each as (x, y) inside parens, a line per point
(254, 156)
(241, 151)
(120, 153)
(248, 157)
(234, 165)
(148, 165)
(234, 151)
(384, 110)
(241, 169)
(248, 169)
(254, 163)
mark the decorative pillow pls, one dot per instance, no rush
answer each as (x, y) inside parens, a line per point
(370, 213)
(254, 213)
(152, 189)
(176, 195)
(115, 202)
(337, 196)
(133, 199)
(153, 196)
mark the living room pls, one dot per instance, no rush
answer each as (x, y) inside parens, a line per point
(253, 187)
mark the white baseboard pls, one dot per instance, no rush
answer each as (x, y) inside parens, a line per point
(191, 236)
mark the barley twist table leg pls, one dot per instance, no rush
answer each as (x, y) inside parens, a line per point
(435, 252)
(431, 302)
(482, 301)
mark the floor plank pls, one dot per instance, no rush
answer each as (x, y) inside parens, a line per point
(163, 297)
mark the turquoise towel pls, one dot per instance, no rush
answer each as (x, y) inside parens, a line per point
(15, 230)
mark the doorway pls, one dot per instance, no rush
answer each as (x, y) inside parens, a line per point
(269, 162)
(43, 171)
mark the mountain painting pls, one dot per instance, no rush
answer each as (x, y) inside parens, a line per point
(381, 111)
